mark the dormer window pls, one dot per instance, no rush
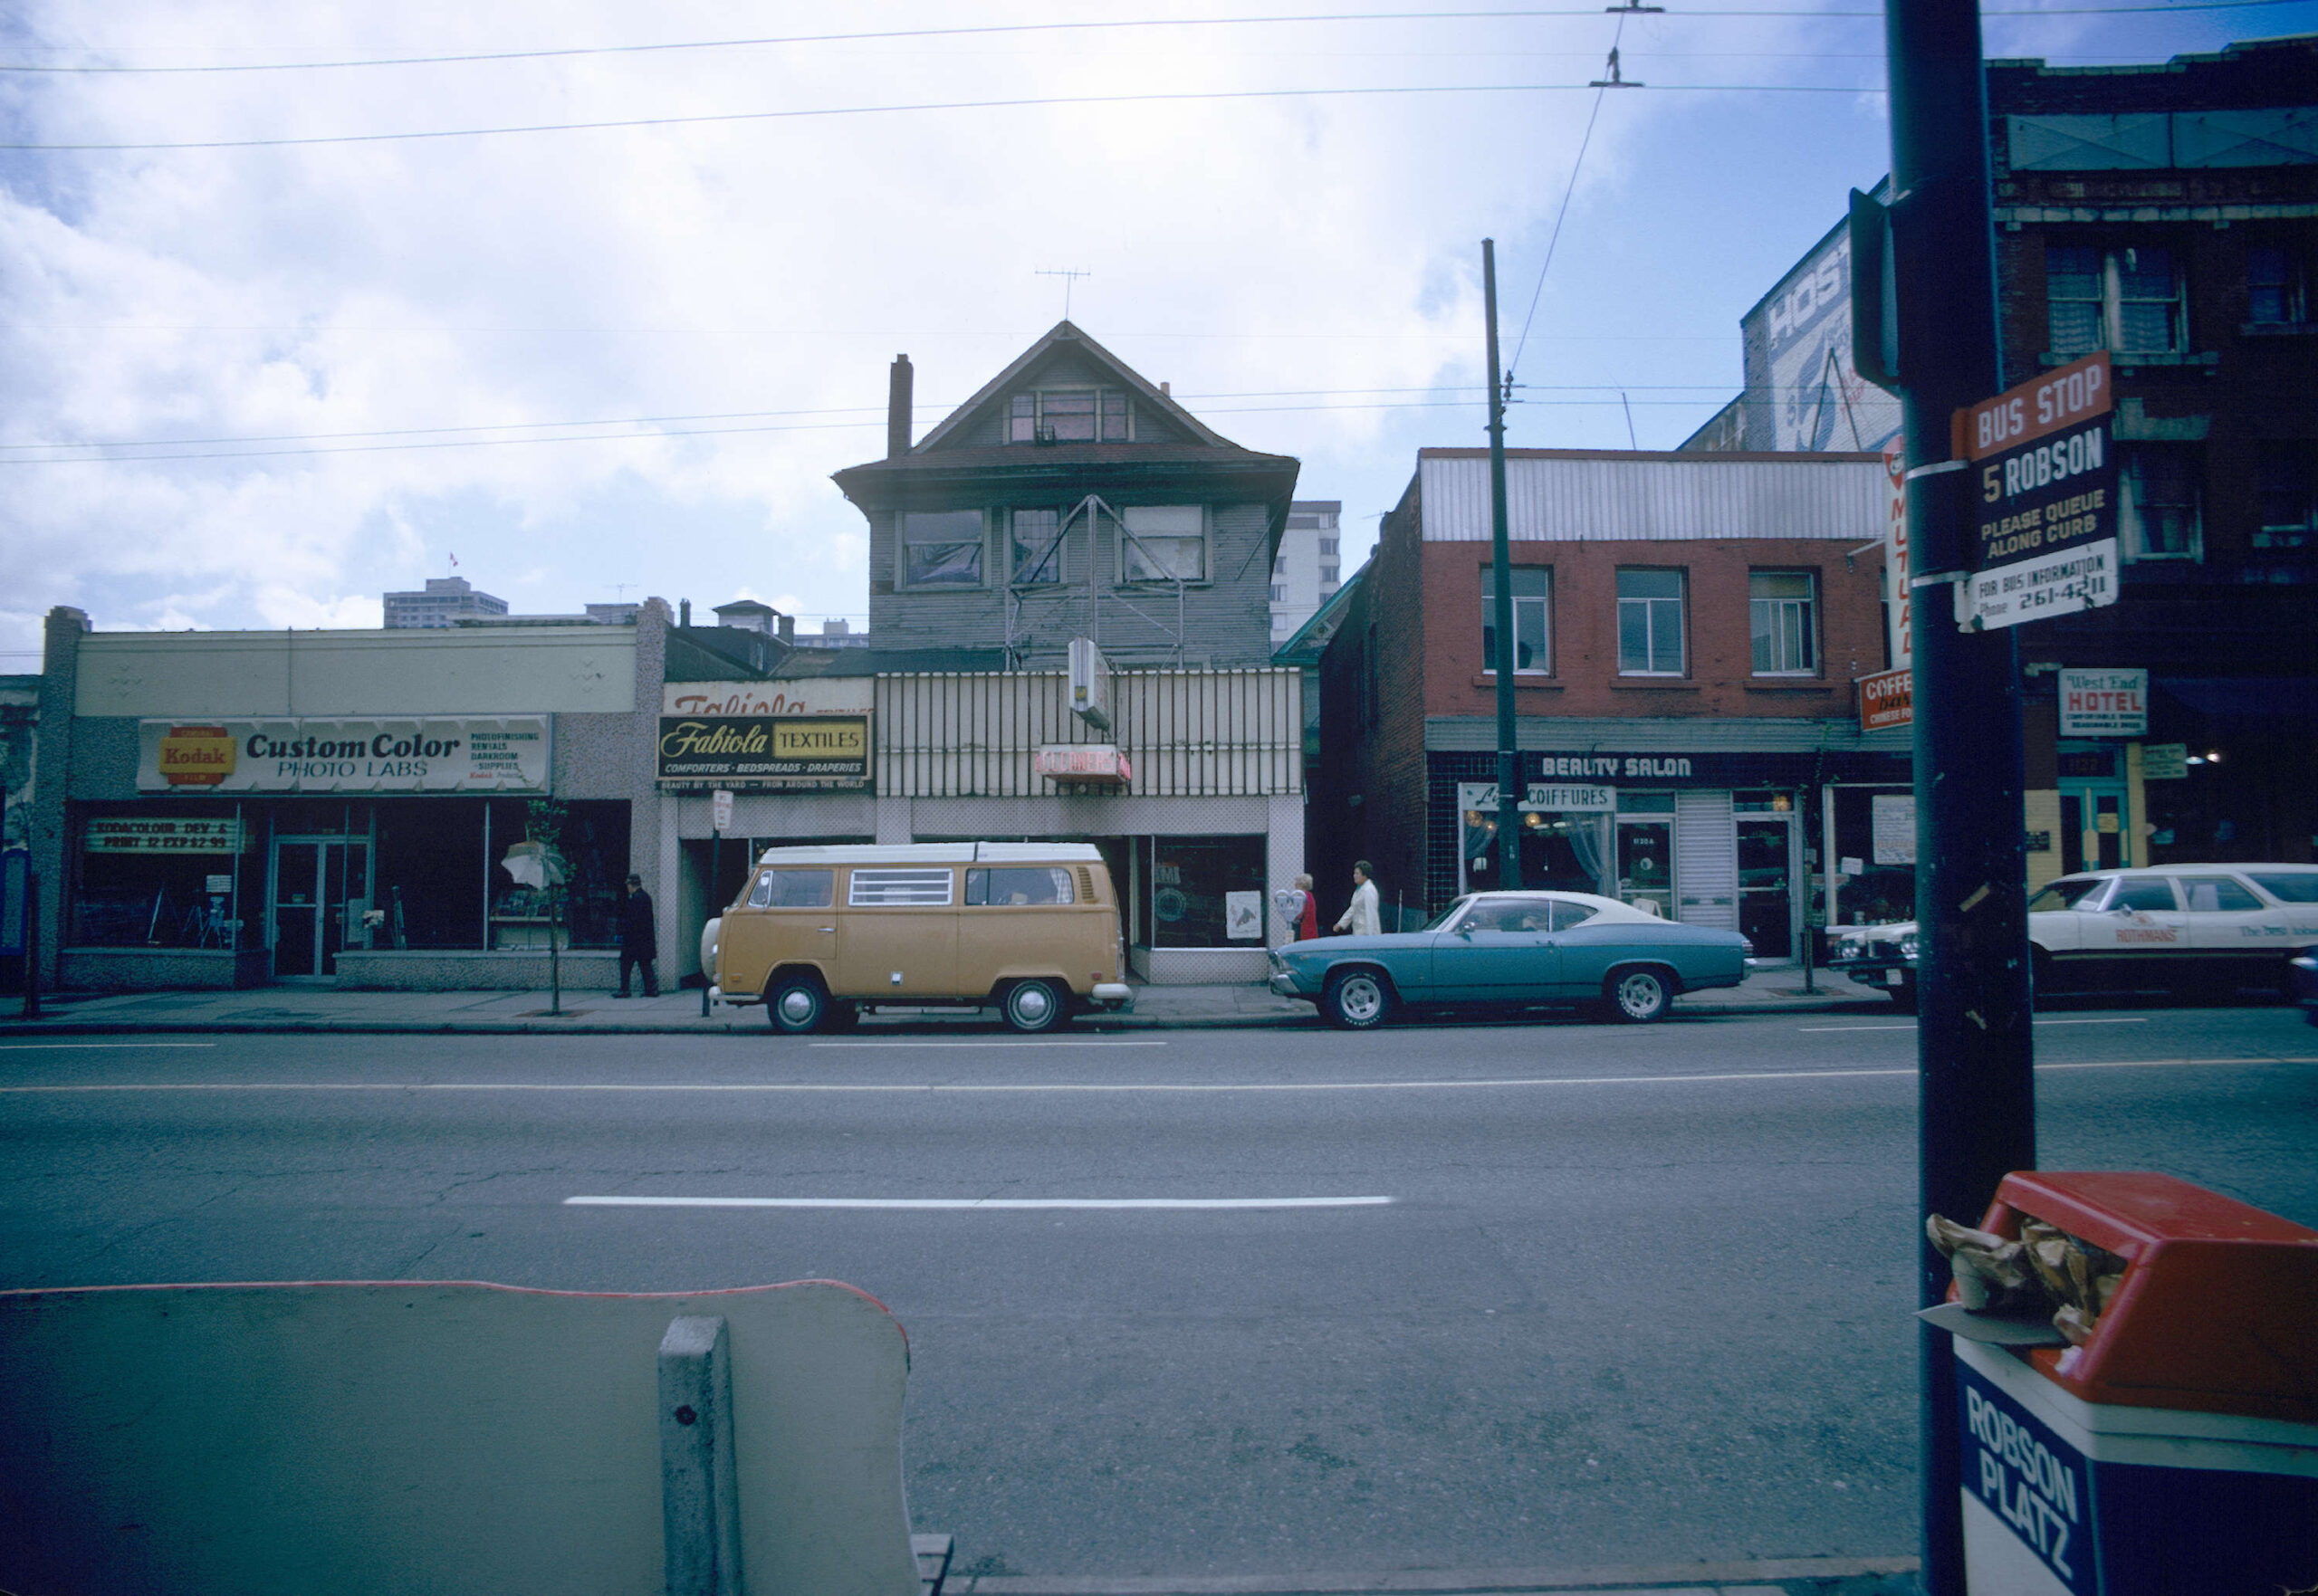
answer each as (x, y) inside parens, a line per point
(1069, 416)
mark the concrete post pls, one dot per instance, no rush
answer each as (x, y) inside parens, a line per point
(700, 1504)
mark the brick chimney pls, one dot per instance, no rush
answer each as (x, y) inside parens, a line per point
(898, 409)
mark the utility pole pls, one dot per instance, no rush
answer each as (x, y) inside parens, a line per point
(1508, 756)
(1925, 325)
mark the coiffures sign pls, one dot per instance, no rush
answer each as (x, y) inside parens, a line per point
(2046, 490)
(765, 751)
(417, 754)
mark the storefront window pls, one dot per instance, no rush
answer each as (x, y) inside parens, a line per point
(430, 874)
(1204, 891)
(592, 838)
(1564, 852)
(166, 875)
(1875, 830)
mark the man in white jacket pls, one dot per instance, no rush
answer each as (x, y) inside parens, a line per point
(1360, 916)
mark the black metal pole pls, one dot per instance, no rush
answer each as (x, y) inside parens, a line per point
(1975, 1091)
(32, 944)
(1508, 756)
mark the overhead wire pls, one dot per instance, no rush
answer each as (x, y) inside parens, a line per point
(1020, 102)
(887, 35)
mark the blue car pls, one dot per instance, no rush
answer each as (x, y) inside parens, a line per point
(1513, 950)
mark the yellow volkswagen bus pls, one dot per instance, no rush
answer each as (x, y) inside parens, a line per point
(819, 934)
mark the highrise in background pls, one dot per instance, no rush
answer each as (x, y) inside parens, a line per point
(1308, 567)
(445, 602)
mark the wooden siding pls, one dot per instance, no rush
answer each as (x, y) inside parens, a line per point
(1226, 620)
(1188, 733)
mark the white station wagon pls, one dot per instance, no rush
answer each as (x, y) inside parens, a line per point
(2175, 928)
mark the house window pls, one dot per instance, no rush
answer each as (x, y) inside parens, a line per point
(941, 549)
(1038, 546)
(1162, 543)
(2160, 502)
(2125, 299)
(1650, 622)
(2273, 286)
(1067, 415)
(1779, 616)
(1533, 600)
(2286, 479)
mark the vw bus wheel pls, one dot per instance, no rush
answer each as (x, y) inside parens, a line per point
(1034, 1005)
(796, 1005)
(1357, 1000)
(1639, 995)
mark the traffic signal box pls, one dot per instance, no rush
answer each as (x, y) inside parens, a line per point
(2176, 1450)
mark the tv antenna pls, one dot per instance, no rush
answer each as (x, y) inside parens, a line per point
(1069, 275)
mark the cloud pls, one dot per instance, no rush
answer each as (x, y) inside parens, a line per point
(418, 347)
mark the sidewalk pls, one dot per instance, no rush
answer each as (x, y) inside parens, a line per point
(596, 1012)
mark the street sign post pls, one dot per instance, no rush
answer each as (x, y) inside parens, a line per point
(2044, 486)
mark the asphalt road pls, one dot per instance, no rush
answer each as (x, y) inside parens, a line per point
(1630, 1295)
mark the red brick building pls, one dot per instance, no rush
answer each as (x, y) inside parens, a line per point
(1688, 627)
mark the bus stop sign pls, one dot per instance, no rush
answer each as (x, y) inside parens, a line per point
(2045, 499)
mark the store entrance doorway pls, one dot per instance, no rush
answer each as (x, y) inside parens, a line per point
(321, 889)
(1766, 884)
(1646, 864)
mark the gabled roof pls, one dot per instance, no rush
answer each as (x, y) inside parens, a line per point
(1066, 335)
(1312, 638)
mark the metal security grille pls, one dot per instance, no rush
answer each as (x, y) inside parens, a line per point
(875, 887)
(1187, 733)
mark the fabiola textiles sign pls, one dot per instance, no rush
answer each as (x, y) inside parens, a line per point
(765, 751)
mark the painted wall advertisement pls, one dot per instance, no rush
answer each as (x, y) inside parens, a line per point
(1818, 400)
(2044, 483)
(428, 753)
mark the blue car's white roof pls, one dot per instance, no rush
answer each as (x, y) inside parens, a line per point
(1604, 908)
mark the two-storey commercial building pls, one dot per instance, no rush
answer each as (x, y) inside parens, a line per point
(1687, 630)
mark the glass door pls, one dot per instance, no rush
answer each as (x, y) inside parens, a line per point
(1766, 884)
(297, 908)
(321, 886)
(1646, 864)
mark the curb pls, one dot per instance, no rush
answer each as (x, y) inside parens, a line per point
(581, 1026)
(1756, 1577)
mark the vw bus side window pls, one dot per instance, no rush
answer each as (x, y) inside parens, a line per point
(794, 889)
(1033, 885)
(887, 888)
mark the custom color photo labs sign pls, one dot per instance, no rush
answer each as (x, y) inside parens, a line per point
(507, 753)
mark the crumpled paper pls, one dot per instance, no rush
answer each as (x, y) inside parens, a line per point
(2047, 1272)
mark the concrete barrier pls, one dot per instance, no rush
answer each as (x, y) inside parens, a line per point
(358, 1437)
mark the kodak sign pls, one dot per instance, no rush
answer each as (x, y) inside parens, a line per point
(197, 756)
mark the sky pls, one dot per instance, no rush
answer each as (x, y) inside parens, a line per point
(294, 312)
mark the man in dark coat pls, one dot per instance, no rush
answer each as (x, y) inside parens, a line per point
(639, 940)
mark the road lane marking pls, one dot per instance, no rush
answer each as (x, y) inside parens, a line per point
(91, 1046)
(961, 1204)
(949, 1089)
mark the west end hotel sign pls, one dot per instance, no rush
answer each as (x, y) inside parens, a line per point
(506, 753)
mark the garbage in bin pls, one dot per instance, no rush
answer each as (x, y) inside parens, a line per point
(2165, 1436)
